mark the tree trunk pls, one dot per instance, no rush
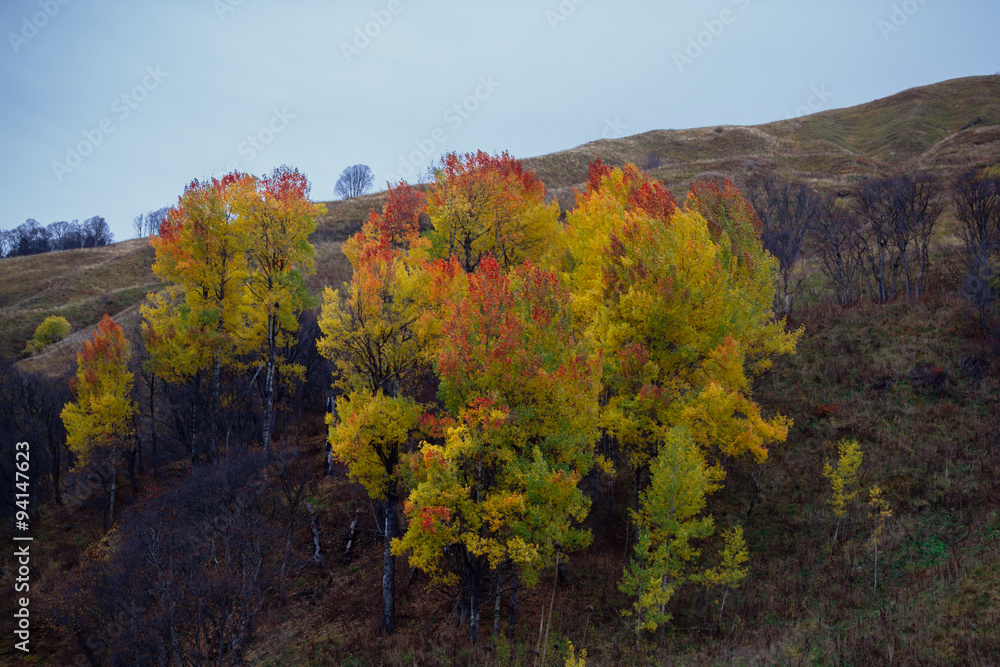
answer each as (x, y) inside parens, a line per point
(515, 581)
(496, 608)
(111, 501)
(389, 567)
(152, 425)
(473, 606)
(272, 333)
(552, 603)
(194, 420)
(722, 608)
(875, 543)
(131, 456)
(214, 419)
(317, 551)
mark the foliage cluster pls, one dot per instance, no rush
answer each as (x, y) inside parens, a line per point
(52, 330)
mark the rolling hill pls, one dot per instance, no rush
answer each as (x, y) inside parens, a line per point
(944, 128)
(858, 373)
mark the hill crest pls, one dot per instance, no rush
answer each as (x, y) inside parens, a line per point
(944, 128)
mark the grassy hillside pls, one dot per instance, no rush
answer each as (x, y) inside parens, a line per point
(942, 127)
(84, 285)
(80, 285)
(945, 127)
(806, 600)
(897, 377)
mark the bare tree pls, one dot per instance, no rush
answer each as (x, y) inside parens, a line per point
(30, 407)
(96, 233)
(72, 236)
(921, 208)
(354, 181)
(787, 211)
(154, 219)
(149, 224)
(29, 238)
(188, 579)
(839, 244)
(139, 225)
(977, 203)
(885, 242)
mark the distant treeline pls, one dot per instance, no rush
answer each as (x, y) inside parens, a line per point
(31, 238)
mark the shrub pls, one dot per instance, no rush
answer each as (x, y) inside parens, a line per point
(52, 330)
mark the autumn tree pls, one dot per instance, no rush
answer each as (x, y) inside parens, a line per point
(52, 330)
(275, 219)
(496, 491)
(843, 478)
(669, 523)
(371, 333)
(878, 508)
(678, 302)
(197, 324)
(729, 573)
(485, 205)
(99, 421)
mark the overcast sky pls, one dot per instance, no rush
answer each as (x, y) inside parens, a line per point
(110, 108)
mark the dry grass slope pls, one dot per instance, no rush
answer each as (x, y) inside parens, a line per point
(945, 127)
(942, 127)
(934, 449)
(84, 285)
(80, 285)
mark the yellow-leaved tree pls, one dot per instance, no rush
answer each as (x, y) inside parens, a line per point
(99, 421)
(52, 330)
(496, 496)
(482, 205)
(196, 324)
(678, 301)
(843, 479)
(669, 522)
(232, 252)
(275, 219)
(371, 333)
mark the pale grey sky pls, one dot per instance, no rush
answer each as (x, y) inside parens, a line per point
(110, 108)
